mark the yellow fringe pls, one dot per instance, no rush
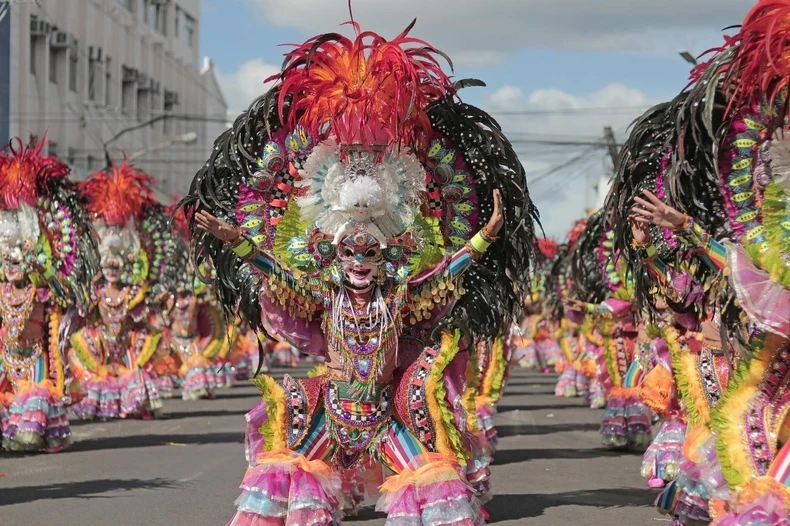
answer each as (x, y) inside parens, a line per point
(448, 438)
(56, 358)
(276, 413)
(149, 348)
(318, 370)
(85, 358)
(472, 390)
(139, 297)
(726, 420)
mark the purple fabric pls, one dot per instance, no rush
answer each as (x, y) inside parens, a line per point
(306, 336)
(619, 308)
(575, 316)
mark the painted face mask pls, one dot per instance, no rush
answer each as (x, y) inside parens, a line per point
(361, 256)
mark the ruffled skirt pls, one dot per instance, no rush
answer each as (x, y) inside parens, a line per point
(36, 421)
(200, 381)
(663, 458)
(626, 422)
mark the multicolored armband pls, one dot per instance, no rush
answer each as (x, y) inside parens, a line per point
(244, 248)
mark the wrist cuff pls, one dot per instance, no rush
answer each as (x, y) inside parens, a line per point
(243, 248)
(479, 243)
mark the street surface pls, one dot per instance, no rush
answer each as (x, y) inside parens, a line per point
(184, 469)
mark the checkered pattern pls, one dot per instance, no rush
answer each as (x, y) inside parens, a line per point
(434, 189)
(335, 408)
(297, 411)
(418, 407)
(708, 375)
(287, 180)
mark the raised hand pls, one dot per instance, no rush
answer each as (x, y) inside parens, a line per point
(494, 225)
(639, 230)
(654, 211)
(222, 230)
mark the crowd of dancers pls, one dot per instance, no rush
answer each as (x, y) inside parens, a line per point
(671, 305)
(101, 316)
(359, 212)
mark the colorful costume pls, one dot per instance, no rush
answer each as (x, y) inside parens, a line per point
(358, 183)
(48, 258)
(110, 356)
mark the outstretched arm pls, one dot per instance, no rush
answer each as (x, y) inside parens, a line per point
(275, 274)
(454, 266)
(654, 211)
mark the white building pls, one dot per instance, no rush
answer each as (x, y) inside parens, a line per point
(85, 70)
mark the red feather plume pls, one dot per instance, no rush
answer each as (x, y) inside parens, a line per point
(366, 91)
(548, 247)
(180, 220)
(576, 230)
(118, 194)
(761, 65)
(24, 171)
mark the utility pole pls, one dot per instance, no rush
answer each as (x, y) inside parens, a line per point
(611, 145)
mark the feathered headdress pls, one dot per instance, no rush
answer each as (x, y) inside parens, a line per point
(364, 91)
(118, 194)
(25, 171)
(368, 131)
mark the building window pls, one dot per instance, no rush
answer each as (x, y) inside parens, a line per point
(73, 69)
(53, 67)
(33, 55)
(108, 82)
(189, 29)
(177, 24)
(92, 80)
(125, 3)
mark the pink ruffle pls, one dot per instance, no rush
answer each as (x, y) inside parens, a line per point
(766, 302)
(283, 493)
(448, 502)
(768, 510)
(253, 439)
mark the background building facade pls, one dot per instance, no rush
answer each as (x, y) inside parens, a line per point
(84, 71)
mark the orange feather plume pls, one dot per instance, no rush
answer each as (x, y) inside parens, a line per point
(24, 171)
(366, 91)
(118, 194)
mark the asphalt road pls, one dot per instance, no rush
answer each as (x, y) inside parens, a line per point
(184, 469)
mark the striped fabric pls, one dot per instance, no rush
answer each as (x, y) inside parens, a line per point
(401, 449)
(317, 445)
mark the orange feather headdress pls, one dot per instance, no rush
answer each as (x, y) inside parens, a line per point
(365, 91)
(118, 194)
(24, 171)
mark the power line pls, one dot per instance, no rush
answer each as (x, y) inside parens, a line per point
(569, 162)
(574, 111)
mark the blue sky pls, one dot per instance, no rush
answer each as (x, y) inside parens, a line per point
(569, 60)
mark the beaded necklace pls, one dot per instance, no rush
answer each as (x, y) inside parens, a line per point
(362, 335)
(16, 310)
(113, 312)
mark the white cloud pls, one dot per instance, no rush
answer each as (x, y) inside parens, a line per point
(245, 84)
(477, 32)
(554, 115)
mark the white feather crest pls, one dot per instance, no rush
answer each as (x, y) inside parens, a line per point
(116, 241)
(18, 228)
(360, 190)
